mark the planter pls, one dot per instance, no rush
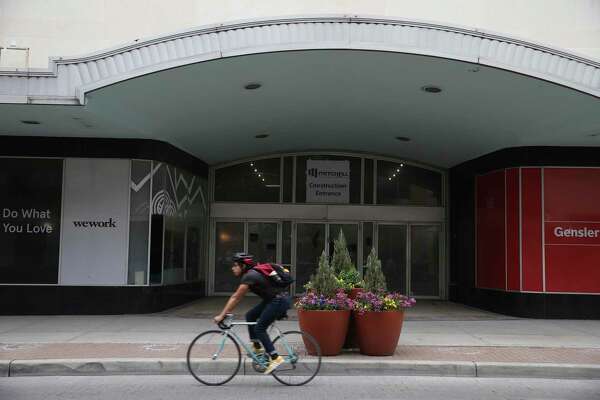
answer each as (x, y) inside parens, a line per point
(327, 327)
(379, 331)
(351, 341)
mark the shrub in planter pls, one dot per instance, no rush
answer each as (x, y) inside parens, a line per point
(349, 279)
(374, 278)
(379, 316)
(325, 310)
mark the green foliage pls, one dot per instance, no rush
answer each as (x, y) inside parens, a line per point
(374, 278)
(341, 261)
(323, 282)
(350, 279)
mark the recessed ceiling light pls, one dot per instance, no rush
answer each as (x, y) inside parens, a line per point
(594, 134)
(403, 138)
(252, 86)
(31, 122)
(431, 89)
(262, 136)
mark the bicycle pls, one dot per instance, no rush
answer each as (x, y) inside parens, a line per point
(214, 356)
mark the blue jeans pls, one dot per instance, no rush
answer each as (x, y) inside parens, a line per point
(266, 312)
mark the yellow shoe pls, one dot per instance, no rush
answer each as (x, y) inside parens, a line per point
(274, 364)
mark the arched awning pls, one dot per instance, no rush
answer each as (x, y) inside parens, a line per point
(342, 82)
(71, 78)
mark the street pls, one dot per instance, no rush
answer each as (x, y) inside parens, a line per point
(403, 387)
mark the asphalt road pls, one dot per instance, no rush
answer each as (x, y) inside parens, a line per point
(184, 387)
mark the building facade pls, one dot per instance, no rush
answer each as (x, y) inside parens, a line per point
(467, 159)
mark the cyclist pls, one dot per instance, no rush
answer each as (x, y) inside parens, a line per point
(275, 303)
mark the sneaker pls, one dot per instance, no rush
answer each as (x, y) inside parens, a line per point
(273, 364)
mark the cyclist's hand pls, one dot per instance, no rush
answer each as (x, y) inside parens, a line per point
(218, 318)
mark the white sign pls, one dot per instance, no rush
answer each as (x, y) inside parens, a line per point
(327, 181)
(95, 222)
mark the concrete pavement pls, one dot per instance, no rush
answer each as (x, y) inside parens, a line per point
(438, 338)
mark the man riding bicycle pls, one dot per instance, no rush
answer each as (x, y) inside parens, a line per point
(275, 303)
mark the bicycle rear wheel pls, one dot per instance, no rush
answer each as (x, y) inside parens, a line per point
(213, 358)
(300, 366)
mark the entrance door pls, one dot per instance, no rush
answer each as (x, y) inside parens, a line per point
(392, 251)
(425, 260)
(262, 241)
(228, 241)
(310, 243)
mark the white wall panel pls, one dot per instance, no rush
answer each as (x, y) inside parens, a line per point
(95, 222)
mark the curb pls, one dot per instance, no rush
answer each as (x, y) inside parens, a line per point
(4, 368)
(88, 367)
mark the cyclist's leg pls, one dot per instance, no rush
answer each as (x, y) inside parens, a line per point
(274, 309)
(252, 316)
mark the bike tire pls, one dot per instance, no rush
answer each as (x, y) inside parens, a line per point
(192, 358)
(281, 374)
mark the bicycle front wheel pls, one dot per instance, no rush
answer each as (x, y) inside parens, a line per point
(302, 356)
(213, 358)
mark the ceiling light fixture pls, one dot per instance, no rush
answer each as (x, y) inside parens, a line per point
(262, 136)
(252, 86)
(30, 122)
(403, 138)
(431, 89)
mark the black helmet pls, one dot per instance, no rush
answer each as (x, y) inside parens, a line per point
(245, 260)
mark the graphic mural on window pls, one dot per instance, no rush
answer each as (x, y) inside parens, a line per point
(177, 203)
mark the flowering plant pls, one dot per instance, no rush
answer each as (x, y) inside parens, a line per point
(382, 301)
(313, 301)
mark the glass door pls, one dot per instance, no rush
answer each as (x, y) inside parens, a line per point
(262, 241)
(425, 260)
(310, 243)
(229, 239)
(392, 251)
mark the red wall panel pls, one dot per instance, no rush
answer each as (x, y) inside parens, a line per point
(513, 272)
(490, 224)
(572, 229)
(531, 229)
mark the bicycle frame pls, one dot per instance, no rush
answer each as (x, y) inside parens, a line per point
(249, 352)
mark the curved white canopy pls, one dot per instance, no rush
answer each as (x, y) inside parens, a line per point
(343, 83)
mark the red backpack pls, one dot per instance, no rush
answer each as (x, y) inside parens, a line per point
(277, 275)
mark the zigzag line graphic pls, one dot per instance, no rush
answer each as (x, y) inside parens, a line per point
(136, 187)
(180, 179)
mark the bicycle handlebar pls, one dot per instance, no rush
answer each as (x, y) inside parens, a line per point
(226, 323)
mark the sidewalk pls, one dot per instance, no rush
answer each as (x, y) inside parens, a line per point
(438, 338)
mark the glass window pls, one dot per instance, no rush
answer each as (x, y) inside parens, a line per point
(367, 240)
(253, 181)
(139, 222)
(173, 271)
(288, 179)
(407, 185)
(368, 187)
(286, 251)
(355, 172)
